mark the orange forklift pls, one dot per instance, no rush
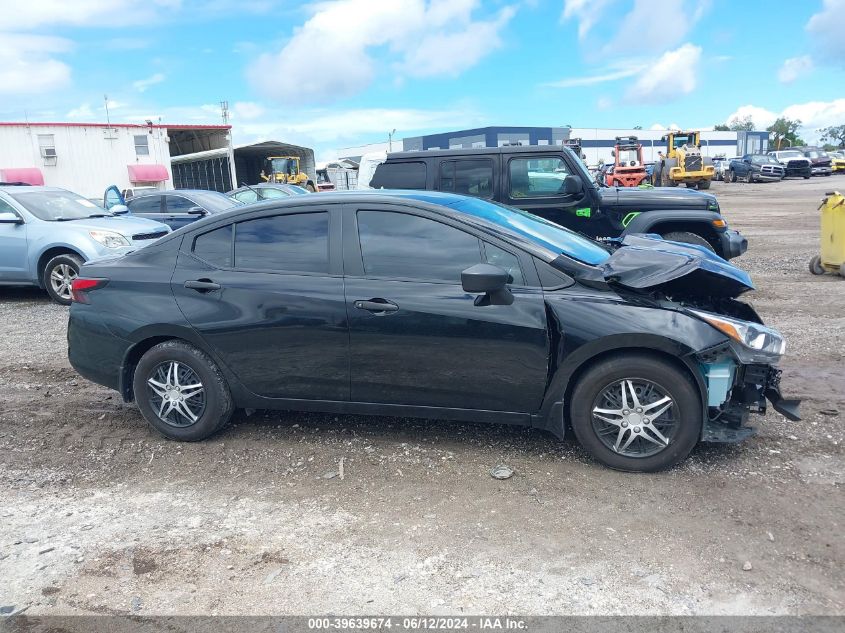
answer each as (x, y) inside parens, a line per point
(628, 169)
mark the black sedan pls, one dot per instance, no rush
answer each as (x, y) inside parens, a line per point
(180, 207)
(430, 305)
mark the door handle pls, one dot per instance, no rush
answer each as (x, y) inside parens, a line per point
(376, 306)
(203, 285)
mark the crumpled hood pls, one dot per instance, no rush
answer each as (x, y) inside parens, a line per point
(644, 262)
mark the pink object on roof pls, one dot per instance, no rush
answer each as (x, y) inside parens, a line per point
(29, 175)
(147, 173)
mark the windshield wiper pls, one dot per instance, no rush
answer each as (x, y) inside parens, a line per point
(100, 215)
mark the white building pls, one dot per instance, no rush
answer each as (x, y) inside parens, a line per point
(88, 157)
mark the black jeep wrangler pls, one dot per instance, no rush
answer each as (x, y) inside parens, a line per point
(552, 182)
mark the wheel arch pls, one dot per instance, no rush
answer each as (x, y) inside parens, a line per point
(49, 254)
(555, 415)
(145, 340)
(661, 222)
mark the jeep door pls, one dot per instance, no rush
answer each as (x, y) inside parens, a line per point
(536, 183)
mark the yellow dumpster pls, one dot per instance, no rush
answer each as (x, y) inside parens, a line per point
(832, 255)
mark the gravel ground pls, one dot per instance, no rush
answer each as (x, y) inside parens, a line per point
(101, 515)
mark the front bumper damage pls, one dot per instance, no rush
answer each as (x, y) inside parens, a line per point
(747, 389)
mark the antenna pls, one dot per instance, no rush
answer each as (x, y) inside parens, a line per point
(106, 99)
(224, 111)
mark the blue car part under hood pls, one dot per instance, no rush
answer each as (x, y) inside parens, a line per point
(645, 262)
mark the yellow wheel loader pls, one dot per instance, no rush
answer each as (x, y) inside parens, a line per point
(285, 170)
(682, 162)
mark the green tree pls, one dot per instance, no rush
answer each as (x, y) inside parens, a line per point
(785, 132)
(835, 134)
(721, 127)
(738, 125)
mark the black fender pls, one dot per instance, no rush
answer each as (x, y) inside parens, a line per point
(144, 338)
(553, 415)
(646, 221)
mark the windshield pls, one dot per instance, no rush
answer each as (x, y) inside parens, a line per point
(761, 160)
(284, 166)
(628, 156)
(816, 154)
(790, 155)
(681, 139)
(536, 229)
(57, 206)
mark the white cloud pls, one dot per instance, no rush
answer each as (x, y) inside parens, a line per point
(654, 26)
(671, 76)
(38, 13)
(609, 74)
(604, 103)
(330, 56)
(813, 115)
(247, 110)
(795, 67)
(825, 29)
(141, 85)
(82, 112)
(26, 65)
(586, 12)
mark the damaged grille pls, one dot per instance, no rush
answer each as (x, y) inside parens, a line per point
(771, 170)
(692, 163)
(140, 237)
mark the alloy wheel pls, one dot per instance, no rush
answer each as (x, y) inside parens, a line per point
(61, 279)
(176, 393)
(635, 417)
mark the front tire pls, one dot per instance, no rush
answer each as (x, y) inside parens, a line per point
(688, 237)
(181, 392)
(58, 275)
(704, 184)
(816, 267)
(636, 413)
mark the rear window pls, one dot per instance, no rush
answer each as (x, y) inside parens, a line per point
(469, 177)
(404, 175)
(296, 243)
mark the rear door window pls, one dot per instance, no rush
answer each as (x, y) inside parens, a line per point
(402, 175)
(178, 204)
(145, 204)
(215, 247)
(285, 243)
(470, 177)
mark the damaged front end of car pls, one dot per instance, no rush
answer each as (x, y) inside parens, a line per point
(741, 373)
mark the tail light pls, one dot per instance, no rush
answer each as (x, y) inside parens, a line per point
(81, 286)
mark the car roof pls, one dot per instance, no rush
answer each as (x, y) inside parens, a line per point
(481, 151)
(175, 191)
(10, 188)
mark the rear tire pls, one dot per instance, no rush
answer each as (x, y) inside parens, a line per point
(652, 379)
(688, 237)
(58, 275)
(181, 392)
(704, 184)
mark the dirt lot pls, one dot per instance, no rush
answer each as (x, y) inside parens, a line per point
(101, 515)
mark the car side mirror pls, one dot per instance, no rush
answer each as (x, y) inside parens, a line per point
(7, 217)
(119, 209)
(197, 211)
(490, 282)
(573, 185)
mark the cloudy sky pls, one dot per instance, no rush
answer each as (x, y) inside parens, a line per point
(344, 72)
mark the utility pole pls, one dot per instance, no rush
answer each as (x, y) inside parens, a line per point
(390, 140)
(224, 111)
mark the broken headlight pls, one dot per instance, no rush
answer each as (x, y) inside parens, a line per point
(756, 341)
